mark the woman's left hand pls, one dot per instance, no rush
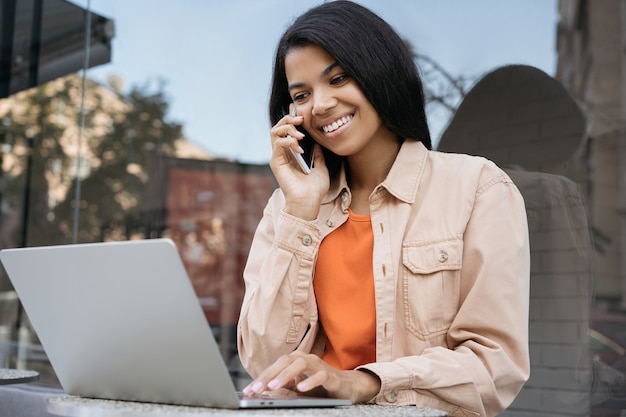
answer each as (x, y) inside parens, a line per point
(305, 372)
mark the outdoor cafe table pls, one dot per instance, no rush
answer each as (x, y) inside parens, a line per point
(17, 376)
(83, 407)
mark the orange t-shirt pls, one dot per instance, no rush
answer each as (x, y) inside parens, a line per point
(344, 289)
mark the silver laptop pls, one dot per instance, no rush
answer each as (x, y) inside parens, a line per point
(121, 321)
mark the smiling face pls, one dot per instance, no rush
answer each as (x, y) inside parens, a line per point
(336, 113)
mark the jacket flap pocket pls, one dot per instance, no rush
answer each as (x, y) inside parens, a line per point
(429, 257)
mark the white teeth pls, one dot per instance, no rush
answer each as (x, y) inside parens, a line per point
(336, 124)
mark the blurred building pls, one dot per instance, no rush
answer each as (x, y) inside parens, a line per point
(210, 209)
(591, 42)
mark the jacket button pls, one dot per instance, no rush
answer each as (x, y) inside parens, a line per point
(442, 256)
(307, 240)
(391, 396)
(330, 223)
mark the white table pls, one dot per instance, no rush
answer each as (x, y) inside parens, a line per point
(69, 406)
(17, 376)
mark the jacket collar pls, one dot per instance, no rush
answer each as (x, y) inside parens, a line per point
(403, 178)
(406, 172)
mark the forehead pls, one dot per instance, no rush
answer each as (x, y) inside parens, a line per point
(307, 60)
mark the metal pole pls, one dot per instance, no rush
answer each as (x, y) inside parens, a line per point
(81, 123)
(7, 32)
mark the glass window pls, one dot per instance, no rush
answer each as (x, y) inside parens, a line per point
(158, 127)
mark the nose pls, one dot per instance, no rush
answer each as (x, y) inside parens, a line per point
(323, 101)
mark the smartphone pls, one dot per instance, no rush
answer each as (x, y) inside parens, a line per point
(300, 159)
(307, 145)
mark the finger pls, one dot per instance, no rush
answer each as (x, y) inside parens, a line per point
(286, 143)
(318, 379)
(290, 374)
(260, 383)
(255, 387)
(291, 118)
(284, 131)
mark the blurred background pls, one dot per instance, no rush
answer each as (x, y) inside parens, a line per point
(140, 119)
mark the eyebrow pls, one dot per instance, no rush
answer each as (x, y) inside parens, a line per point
(324, 73)
(329, 69)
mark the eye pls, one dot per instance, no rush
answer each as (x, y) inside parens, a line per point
(338, 79)
(299, 97)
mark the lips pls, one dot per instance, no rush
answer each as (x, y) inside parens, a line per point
(336, 124)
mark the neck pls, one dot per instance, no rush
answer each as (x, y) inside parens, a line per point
(368, 169)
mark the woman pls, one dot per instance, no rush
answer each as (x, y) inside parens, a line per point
(391, 273)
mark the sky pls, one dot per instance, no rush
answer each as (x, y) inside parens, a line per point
(216, 56)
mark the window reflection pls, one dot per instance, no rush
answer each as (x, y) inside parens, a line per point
(43, 40)
(133, 186)
(526, 122)
(140, 178)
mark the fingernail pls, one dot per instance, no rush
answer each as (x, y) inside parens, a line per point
(258, 387)
(300, 150)
(273, 384)
(302, 386)
(247, 390)
(300, 134)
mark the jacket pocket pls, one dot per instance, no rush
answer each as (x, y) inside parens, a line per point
(431, 281)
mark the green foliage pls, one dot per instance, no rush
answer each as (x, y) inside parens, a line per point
(119, 134)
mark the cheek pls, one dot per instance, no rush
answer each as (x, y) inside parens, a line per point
(306, 124)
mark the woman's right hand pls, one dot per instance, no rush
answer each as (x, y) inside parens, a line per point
(303, 192)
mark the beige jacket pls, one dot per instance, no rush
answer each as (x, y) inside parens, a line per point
(451, 275)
